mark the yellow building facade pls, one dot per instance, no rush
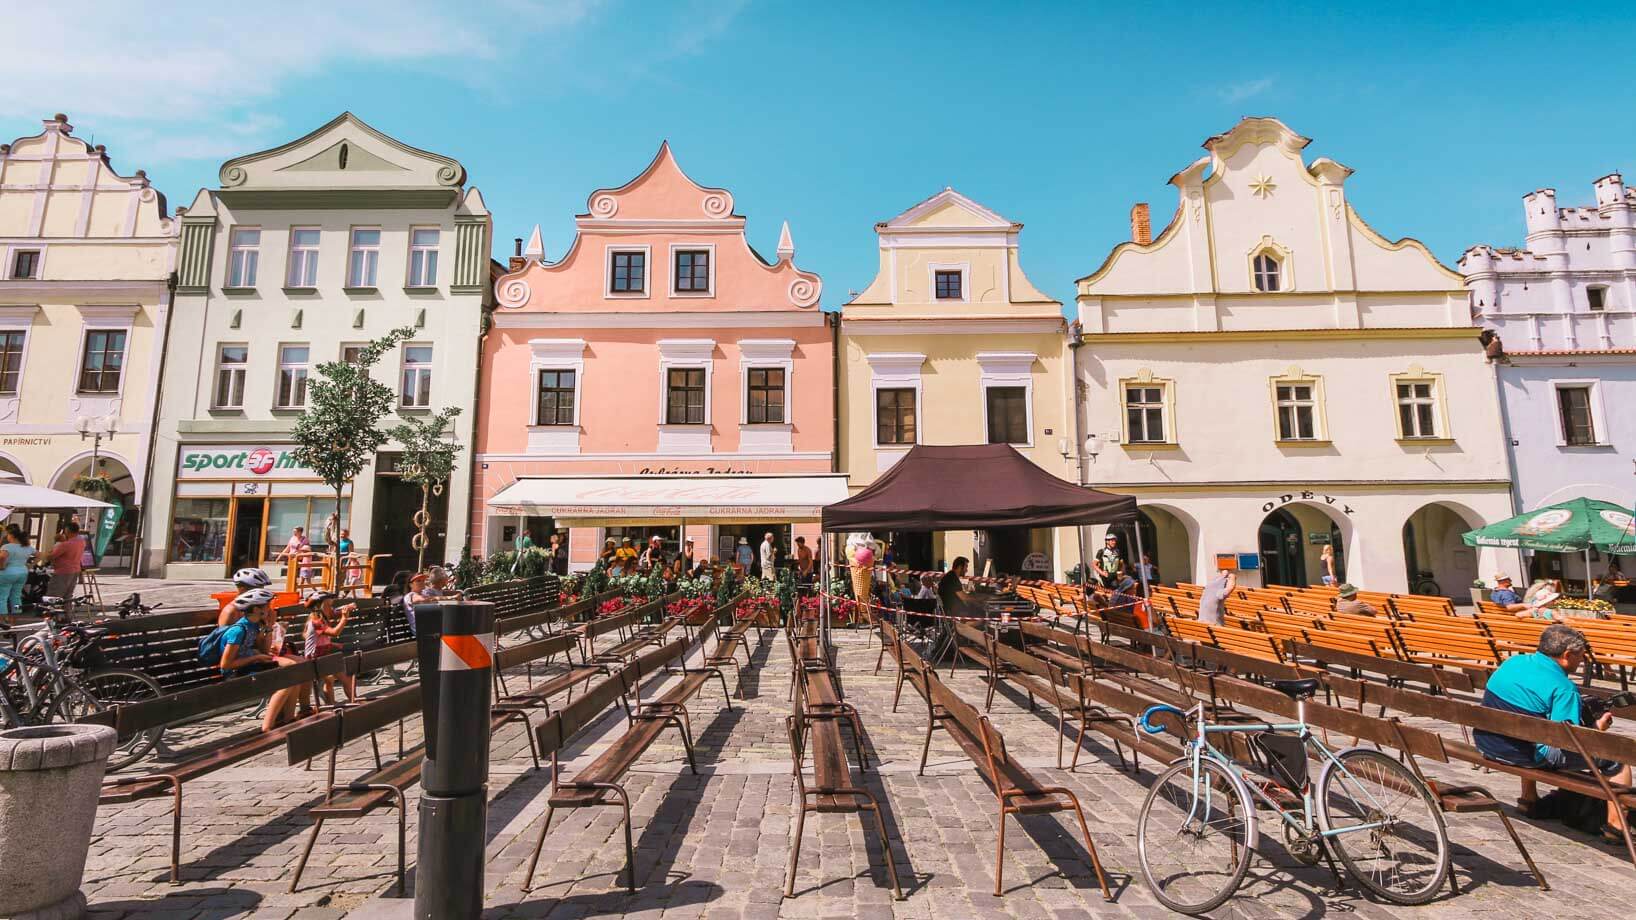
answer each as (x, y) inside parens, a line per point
(951, 344)
(85, 261)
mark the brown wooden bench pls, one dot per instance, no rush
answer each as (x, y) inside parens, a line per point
(1588, 743)
(594, 783)
(815, 724)
(1015, 789)
(1357, 663)
(147, 714)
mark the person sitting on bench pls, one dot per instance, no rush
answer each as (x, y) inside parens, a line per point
(1537, 684)
(242, 645)
(324, 623)
(244, 580)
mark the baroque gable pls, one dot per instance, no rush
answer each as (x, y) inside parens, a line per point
(346, 153)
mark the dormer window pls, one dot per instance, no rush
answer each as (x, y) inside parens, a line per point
(1267, 272)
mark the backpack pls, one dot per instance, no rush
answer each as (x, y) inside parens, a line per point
(210, 647)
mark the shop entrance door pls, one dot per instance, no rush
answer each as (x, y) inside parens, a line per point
(1283, 561)
(393, 530)
(248, 516)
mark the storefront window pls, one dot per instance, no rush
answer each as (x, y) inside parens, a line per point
(198, 530)
(286, 514)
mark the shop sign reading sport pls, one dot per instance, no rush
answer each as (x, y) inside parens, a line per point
(240, 461)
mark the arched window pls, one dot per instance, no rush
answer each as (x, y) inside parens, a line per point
(1267, 270)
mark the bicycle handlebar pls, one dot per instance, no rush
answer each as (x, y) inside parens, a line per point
(1147, 723)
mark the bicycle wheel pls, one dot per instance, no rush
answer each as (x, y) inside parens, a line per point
(118, 687)
(1405, 857)
(1193, 838)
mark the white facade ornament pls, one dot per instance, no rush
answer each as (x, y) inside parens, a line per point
(513, 293)
(718, 204)
(536, 246)
(786, 246)
(804, 291)
(604, 206)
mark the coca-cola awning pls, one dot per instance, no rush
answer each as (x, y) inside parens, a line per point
(627, 500)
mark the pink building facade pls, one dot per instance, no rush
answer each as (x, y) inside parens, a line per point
(660, 354)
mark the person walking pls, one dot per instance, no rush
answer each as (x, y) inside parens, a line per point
(803, 560)
(744, 556)
(559, 555)
(1108, 562)
(15, 554)
(1327, 560)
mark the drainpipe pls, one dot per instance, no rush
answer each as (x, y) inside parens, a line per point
(138, 569)
(1511, 460)
(834, 320)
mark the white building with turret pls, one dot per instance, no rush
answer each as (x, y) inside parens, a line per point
(1563, 309)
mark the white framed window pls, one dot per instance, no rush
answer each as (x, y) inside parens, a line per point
(303, 268)
(557, 367)
(948, 282)
(102, 361)
(423, 243)
(627, 271)
(895, 390)
(13, 344)
(1298, 408)
(416, 391)
(693, 270)
(1007, 382)
(766, 372)
(243, 257)
(686, 420)
(1580, 421)
(232, 362)
(1146, 410)
(363, 257)
(293, 367)
(1268, 272)
(25, 264)
(1417, 409)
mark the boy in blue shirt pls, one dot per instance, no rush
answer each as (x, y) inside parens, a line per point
(1537, 684)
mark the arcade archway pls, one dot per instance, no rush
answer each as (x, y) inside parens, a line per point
(1435, 559)
(114, 531)
(1167, 538)
(1291, 541)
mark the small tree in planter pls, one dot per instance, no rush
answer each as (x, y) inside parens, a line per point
(428, 462)
(340, 432)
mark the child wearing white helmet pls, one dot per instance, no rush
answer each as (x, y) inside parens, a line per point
(244, 646)
(244, 580)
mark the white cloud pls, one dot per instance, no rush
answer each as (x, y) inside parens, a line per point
(191, 74)
(1244, 89)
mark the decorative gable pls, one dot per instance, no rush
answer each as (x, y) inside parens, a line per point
(344, 156)
(661, 192)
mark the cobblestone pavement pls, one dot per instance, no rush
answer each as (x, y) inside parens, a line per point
(716, 844)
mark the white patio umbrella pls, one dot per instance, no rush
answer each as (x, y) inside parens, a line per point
(18, 496)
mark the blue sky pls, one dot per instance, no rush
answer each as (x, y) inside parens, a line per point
(837, 115)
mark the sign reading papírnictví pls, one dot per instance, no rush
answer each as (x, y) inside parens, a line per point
(240, 461)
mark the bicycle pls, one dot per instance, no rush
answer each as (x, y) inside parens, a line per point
(1197, 827)
(78, 682)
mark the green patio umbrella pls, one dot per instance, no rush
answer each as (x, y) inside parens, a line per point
(1575, 526)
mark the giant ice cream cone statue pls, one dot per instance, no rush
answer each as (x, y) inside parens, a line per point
(863, 572)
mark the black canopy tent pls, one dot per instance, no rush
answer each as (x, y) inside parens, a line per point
(973, 487)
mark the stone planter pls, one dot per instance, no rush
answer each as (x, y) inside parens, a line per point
(50, 777)
(1479, 596)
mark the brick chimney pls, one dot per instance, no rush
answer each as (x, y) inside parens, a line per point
(1141, 224)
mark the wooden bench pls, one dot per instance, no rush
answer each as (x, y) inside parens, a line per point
(815, 724)
(148, 714)
(594, 783)
(1419, 606)
(1358, 662)
(385, 785)
(1464, 645)
(1015, 789)
(1589, 743)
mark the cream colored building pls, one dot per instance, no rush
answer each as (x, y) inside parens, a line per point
(1270, 375)
(85, 259)
(303, 253)
(951, 344)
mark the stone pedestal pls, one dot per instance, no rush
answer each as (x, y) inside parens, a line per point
(50, 777)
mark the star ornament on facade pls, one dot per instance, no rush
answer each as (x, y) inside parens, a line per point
(1263, 186)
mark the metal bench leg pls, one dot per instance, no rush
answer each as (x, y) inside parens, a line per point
(176, 830)
(312, 838)
(999, 853)
(1509, 829)
(795, 848)
(528, 882)
(886, 850)
(1096, 861)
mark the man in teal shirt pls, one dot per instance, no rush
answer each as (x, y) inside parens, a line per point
(1537, 684)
